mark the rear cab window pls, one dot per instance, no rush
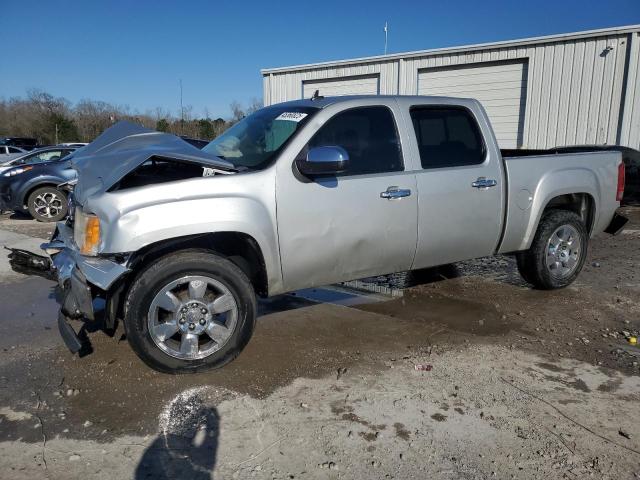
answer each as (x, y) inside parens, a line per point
(368, 134)
(447, 136)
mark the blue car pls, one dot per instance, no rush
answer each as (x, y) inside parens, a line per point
(30, 183)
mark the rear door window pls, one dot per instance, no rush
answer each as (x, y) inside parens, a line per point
(369, 136)
(447, 137)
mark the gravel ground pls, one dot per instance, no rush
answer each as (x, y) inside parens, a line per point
(511, 383)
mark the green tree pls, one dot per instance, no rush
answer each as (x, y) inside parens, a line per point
(66, 128)
(206, 130)
(162, 125)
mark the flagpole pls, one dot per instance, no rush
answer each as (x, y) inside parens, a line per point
(385, 37)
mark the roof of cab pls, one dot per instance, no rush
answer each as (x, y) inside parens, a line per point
(321, 102)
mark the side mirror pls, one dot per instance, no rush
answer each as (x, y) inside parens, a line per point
(329, 160)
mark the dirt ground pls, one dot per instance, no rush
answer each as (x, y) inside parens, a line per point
(515, 383)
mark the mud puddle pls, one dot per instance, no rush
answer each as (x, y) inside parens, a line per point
(459, 315)
(111, 392)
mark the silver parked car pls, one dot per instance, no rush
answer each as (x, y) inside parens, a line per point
(179, 241)
(9, 152)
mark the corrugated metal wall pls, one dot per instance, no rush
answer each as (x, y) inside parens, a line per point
(288, 86)
(576, 89)
(630, 128)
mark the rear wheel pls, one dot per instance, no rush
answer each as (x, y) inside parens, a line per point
(557, 253)
(189, 311)
(47, 204)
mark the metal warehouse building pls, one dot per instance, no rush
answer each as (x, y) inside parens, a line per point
(571, 89)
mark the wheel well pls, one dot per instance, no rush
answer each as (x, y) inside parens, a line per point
(580, 203)
(26, 196)
(239, 248)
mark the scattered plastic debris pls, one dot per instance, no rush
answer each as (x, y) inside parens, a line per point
(423, 367)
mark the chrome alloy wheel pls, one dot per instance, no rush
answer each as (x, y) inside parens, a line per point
(192, 317)
(48, 205)
(563, 251)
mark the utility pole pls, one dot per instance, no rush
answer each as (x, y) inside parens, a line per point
(386, 30)
(57, 142)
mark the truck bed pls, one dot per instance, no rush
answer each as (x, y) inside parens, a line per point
(630, 157)
(534, 179)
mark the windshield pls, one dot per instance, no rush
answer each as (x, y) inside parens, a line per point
(255, 141)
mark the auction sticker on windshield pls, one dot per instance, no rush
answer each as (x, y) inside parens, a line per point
(291, 116)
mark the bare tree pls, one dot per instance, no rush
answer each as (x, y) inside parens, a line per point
(41, 115)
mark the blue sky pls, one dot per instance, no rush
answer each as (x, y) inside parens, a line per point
(135, 52)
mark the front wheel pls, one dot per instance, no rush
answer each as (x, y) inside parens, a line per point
(557, 253)
(189, 311)
(47, 204)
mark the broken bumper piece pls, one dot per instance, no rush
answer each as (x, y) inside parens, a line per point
(81, 278)
(28, 263)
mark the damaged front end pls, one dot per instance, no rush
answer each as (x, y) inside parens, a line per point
(81, 279)
(126, 157)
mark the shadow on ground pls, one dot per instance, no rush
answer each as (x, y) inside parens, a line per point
(188, 446)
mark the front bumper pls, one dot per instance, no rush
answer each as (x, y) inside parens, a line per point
(99, 271)
(81, 278)
(8, 200)
(5, 202)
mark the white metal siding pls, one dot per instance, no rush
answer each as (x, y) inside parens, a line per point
(574, 89)
(500, 87)
(630, 128)
(288, 86)
(366, 85)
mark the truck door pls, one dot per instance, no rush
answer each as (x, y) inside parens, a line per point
(357, 224)
(460, 190)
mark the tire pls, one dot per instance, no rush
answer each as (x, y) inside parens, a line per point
(148, 315)
(555, 261)
(47, 204)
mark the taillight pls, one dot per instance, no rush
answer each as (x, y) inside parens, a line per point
(620, 191)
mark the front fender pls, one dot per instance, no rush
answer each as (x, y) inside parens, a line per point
(134, 220)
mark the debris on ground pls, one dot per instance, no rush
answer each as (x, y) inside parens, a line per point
(624, 434)
(420, 367)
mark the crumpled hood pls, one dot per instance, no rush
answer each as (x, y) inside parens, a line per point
(125, 146)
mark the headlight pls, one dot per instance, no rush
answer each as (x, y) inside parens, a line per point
(17, 171)
(86, 232)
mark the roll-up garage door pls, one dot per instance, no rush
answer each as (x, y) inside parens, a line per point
(500, 87)
(331, 87)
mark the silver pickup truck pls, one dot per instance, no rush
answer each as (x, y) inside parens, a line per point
(179, 241)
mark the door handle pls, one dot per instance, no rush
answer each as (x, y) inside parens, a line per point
(484, 182)
(395, 192)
